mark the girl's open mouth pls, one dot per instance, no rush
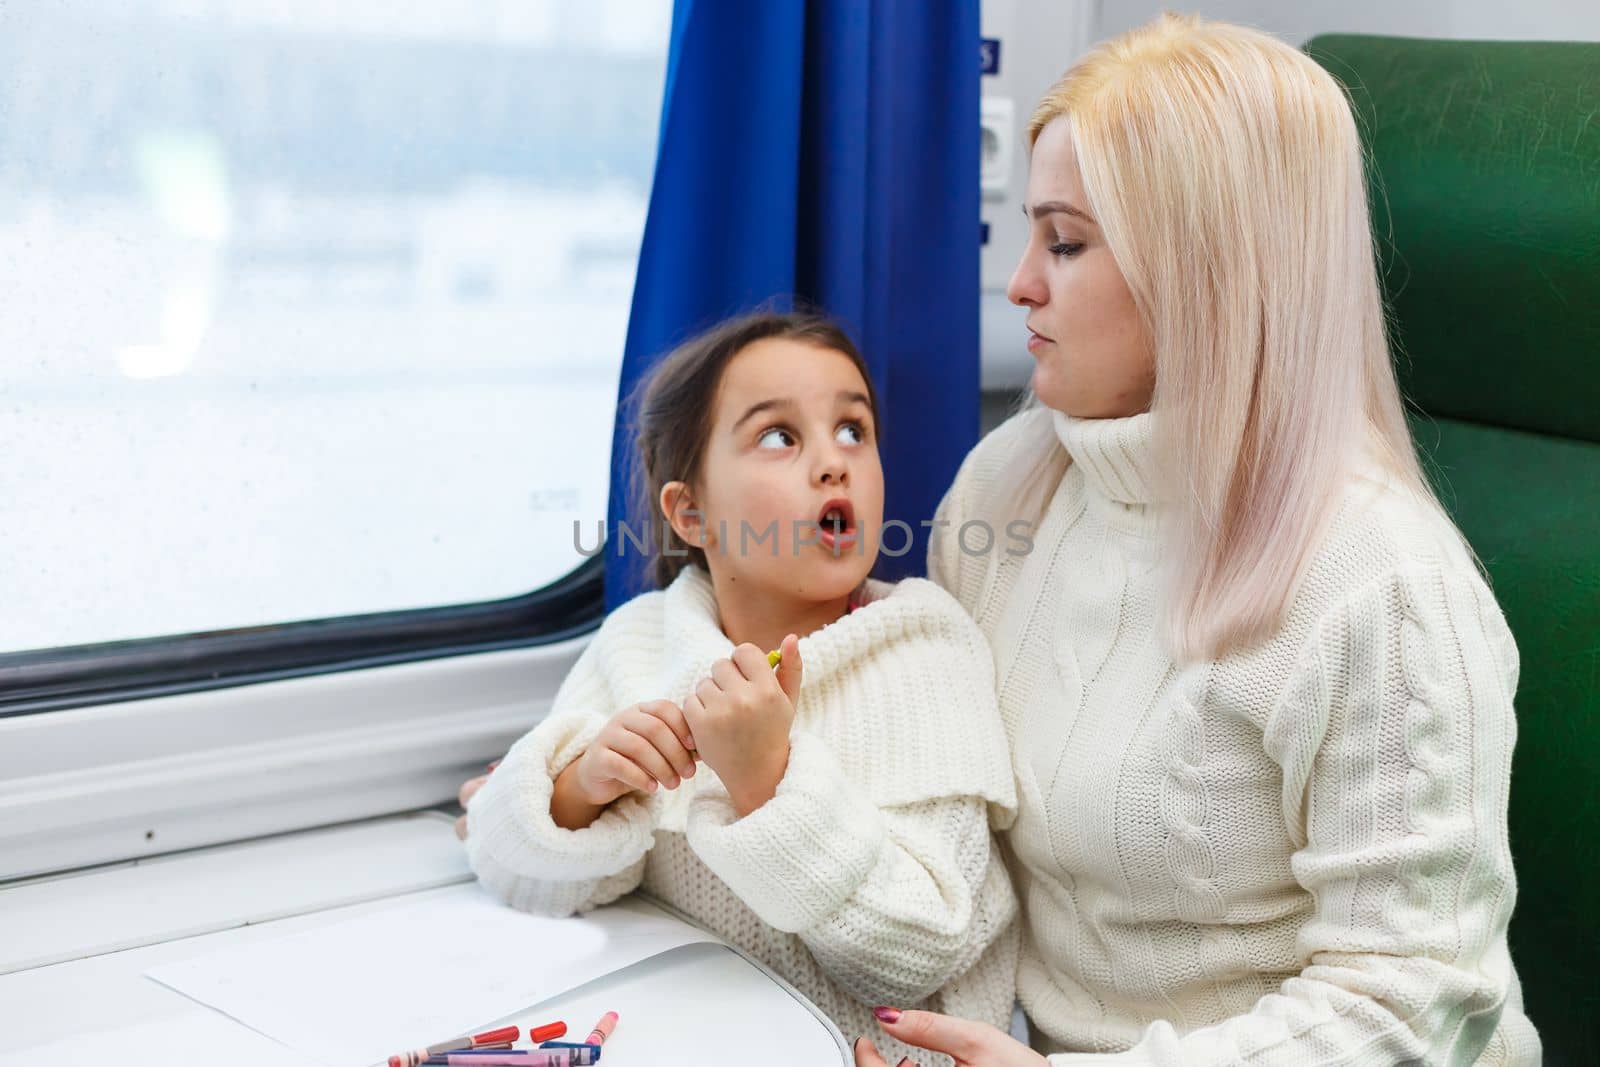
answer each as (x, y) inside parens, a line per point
(837, 522)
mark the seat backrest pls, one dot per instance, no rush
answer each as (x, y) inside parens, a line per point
(1485, 165)
(1486, 203)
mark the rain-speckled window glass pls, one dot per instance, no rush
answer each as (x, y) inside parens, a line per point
(310, 307)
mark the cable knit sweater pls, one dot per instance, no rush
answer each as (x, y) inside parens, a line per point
(1295, 854)
(869, 878)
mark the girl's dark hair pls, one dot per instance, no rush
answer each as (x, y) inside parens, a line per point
(675, 405)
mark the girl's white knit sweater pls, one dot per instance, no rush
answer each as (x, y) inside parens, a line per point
(871, 876)
(1295, 854)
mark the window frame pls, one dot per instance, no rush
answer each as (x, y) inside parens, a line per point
(54, 679)
(398, 714)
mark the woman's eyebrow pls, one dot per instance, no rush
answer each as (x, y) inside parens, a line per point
(1058, 207)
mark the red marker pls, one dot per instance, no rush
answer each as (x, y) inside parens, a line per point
(548, 1032)
(503, 1036)
(602, 1029)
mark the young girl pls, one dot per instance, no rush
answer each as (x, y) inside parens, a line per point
(831, 816)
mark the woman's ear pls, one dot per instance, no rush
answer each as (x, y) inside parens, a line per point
(678, 506)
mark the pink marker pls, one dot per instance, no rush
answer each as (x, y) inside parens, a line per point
(602, 1029)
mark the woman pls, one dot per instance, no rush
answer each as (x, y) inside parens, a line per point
(1259, 697)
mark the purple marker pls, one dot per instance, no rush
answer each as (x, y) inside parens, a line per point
(555, 1057)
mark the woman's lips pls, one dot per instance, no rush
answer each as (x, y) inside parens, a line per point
(1036, 341)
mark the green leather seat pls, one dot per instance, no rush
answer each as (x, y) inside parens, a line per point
(1486, 204)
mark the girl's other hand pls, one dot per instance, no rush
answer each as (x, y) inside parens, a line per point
(741, 717)
(468, 788)
(643, 747)
(970, 1044)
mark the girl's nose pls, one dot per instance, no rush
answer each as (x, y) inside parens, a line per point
(832, 469)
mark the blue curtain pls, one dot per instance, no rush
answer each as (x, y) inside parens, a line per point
(825, 149)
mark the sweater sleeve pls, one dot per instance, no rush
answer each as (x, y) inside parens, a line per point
(1394, 739)
(943, 558)
(515, 847)
(893, 902)
(962, 574)
(944, 551)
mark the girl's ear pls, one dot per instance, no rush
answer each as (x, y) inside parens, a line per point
(677, 504)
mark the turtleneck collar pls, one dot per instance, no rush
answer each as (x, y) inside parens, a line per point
(1115, 456)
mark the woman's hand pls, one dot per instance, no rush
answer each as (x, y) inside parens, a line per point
(741, 716)
(971, 1044)
(641, 749)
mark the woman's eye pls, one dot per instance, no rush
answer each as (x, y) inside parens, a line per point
(850, 433)
(1066, 248)
(775, 438)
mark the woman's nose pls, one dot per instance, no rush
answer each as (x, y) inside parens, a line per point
(1026, 288)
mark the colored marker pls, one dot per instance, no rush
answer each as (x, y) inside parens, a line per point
(546, 1032)
(602, 1029)
(503, 1036)
(537, 1033)
(554, 1057)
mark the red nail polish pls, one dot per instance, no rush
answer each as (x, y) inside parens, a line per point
(887, 1015)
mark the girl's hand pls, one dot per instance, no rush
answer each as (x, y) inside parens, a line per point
(970, 1044)
(642, 748)
(741, 716)
(468, 788)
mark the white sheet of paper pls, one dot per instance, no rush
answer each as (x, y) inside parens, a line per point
(199, 1036)
(352, 993)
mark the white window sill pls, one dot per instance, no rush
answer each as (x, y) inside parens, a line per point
(146, 902)
(122, 781)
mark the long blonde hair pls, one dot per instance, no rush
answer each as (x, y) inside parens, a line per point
(1226, 173)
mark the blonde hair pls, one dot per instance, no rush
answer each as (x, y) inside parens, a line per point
(1226, 173)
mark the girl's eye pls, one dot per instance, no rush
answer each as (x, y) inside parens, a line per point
(1066, 248)
(850, 433)
(775, 438)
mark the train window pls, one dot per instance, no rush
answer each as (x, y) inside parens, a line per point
(312, 309)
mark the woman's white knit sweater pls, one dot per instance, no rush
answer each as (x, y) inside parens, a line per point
(869, 878)
(1293, 855)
